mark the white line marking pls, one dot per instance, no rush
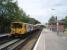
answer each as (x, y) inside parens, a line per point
(35, 48)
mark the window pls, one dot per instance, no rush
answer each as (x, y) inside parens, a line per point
(16, 25)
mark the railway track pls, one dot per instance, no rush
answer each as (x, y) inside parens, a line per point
(16, 44)
(24, 44)
(31, 42)
(11, 45)
(5, 38)
(5, 45)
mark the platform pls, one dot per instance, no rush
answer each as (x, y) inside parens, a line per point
(40, 44)
(2, 35)
(49, 40)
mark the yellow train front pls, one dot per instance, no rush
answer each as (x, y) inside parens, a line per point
(19, 28)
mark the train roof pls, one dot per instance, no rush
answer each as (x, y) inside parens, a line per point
(16, 22)
(38, 24)
(22, 23)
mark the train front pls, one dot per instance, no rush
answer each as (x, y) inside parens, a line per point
(17, 28)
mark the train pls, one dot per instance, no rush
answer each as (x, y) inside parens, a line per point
(20, 28)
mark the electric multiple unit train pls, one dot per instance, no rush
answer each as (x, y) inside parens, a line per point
(20, 28)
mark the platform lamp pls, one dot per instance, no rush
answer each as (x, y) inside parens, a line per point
(57, 23)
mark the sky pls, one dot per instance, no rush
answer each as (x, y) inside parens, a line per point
(42, 10)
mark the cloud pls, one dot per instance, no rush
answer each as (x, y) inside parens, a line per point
(40, 9)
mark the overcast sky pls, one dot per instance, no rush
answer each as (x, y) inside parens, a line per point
(42, 10)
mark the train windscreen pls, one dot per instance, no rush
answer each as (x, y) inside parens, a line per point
(16, 25)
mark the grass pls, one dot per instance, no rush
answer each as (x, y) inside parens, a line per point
(65, 32)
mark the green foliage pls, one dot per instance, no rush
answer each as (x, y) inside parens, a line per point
(52, 20)
(33, 21)
(65, 22)
(9, 12)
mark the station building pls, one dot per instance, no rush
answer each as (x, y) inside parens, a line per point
(53, 26)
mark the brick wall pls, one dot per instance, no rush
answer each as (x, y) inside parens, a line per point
(53, 27)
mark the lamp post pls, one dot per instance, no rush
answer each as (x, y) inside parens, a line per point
(57, 23)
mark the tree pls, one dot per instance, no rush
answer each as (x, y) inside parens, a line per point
(65, 22)
(33, 21)
(10, 12)
(52, 20)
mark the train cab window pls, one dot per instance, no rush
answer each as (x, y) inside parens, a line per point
(16, 25)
